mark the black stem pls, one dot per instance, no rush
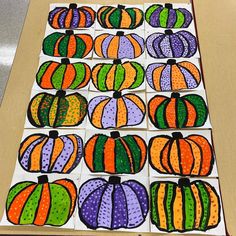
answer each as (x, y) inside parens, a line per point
(171, 62)
(120, 33)
(169, 6)
(53, 134)
(115, 134)
(114, 180)
(42, 179)
(117, 94)
(117, 61)
(65, 61)
(184, 182)
(61, 93)
(168, 32)
(175, 95)
(177, 135)
(69, 32)
(121, 6)
(73, 6)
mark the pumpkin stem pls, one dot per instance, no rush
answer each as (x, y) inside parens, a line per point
(115, 134)
(65, 61)
(169, 6)
(42, 179)
(120, 33)
(177, 135)
(171, 62)
(114, 180)
(184, 182)
(121, 6)
(117, 61)
(175, 95)
(69, 32)
(72, 5)
(168, 32)
(53, 134)
(61, 93)
(117, 94)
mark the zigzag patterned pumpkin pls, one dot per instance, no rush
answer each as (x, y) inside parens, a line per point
(57, 110)
(167, 17)
(42, 203)
(173, 76)
(55, 75)
(119, 46)
(189, 156)
(115, 154)
(184, 206)
(50, 154)
(169, 44)
(67, 45)
(120, 17)
(120, 111)
(117, 76)
(177, 112)
(72, 17)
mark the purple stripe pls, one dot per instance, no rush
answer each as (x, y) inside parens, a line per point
(165, 82)
(94, 102)
(140, 41)
(105, 45)
(61, 19)
(53, 13)
(185, 46)
(177, 46)
(192, 42)
(171, 18)
(149, 73)
(125, 49)
(188, 17)
(109, 114)
(75, 19)
(189, 78)
(152, 44)
(88, 21)
(154, 19)
(166, 47)
(46, 154)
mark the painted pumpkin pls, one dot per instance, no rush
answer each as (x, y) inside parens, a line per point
(167, 17)
(57, 110)
(119, 46)
(177, 112)
(112, 204)
(117, 76)
(72, 17)
(120, 111)
(119, 17)
(169, 44)
(50, 153)
(187, 206)
(67, 45)
(64, 75)
(115, 154)
(173, 76)
(42, 203)
(189, 156)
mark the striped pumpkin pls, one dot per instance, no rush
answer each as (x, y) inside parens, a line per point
(67, 45)
(119, 46)
(119, 17)
(57, 110)
(177, 112)
(167, 17)
(55, 75)
(117, 76)
(50, 153)
(115, 154)
(189, 156)
(184, 206)
(120, 111)
(173, 76)
(72, 17)
(42, 203)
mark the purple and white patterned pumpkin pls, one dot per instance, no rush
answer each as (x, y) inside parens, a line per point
(112, 204)
(171, 45)
(50, 153)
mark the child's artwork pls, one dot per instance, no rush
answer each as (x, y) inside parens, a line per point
(106, 112)
(68, 44)
(184, 206)
(120, 17)
(63, 75)
(173, 75)
(115, 154)
(159, 16)
(42, 203)
(119, 46)
(113, 204)
(177, 111)
(178, 155)
(71, 17)
(117, 76)
(171, 44)
(59, 110)
(50, 153)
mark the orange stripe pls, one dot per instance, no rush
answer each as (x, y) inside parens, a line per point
(137, 101)
(44, 206)
(98, 44)
(113, 47)
(109, 155)
(90, 10)
(110, 78)
(129, 155)
(154, 104)
(125, 19)
(88, 42)
(136, 45)
(46, 78)
(56, 48)
(55, 23)
(143, 148)
(87, 76)
(28, 142)
(192, 115)
(57, 149)
(174, 157)
(107, 16)
(165, 158)
(82, 19)
(121, 113)
(95, 72)
(68, 19)
(69, 76)
(71, 48)
(156, 77)
(171, 113)
(177, 79)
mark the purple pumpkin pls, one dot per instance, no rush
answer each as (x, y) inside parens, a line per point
(117, 111)
(50, 154)
(112, 204)
(171, 45)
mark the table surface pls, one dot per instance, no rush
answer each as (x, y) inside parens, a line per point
(215, 23)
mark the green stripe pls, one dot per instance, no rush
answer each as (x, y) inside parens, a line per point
(49, 43)
(160, 115)
(102, 77)
(43, 109)
(80, 75)
(122, 159)
(63, 106)
(132, 14)
(103, 15)
(139, 75)
(115, 18)
(41, 71)
(58, 76)
(80, 48)
(164, 17)
(98, 157)
(181, 113)
(169, 206)
(30, 209)
(150, 11)
(179, 19)
(154, 210)
(119, 77)
(63, 46)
